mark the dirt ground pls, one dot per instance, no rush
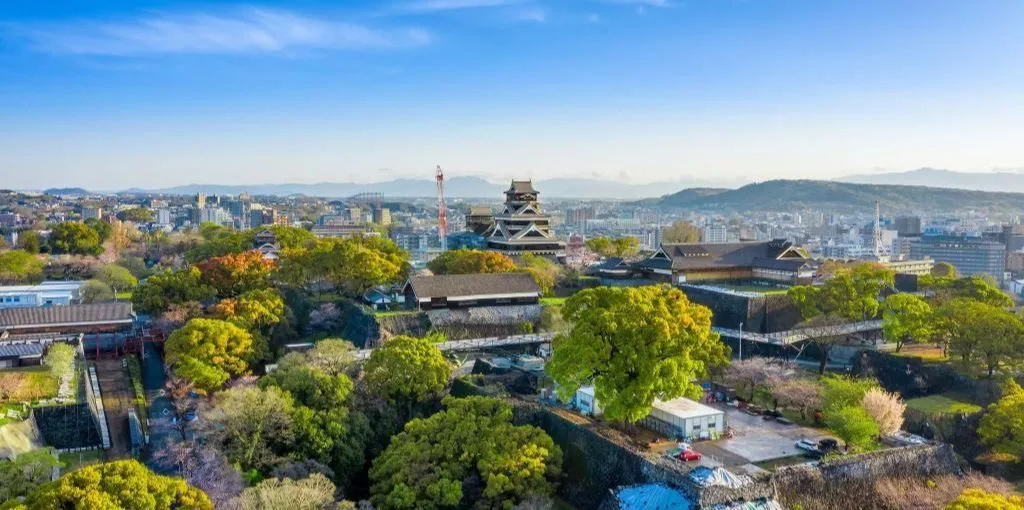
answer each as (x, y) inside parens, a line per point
(116, 388)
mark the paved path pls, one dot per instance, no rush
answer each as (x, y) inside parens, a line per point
(116, 390)
(481, 343)
(793, 336)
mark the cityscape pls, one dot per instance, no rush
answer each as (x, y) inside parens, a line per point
(512, 254)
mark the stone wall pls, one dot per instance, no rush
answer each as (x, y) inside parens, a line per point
(911, 377)
(762, 313)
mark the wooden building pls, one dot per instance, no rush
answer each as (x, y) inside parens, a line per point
(88, 319)
(470, 290)
(521, 227)
(777, 260)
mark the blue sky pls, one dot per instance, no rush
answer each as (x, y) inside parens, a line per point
(111, 94)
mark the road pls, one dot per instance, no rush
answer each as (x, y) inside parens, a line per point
(116, 390)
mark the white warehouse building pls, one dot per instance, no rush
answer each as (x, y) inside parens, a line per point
(43, 294)
(686, 419)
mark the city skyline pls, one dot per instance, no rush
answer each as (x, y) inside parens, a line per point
(117, 95)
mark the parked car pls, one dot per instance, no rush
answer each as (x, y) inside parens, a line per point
(828, 445)
(689, 455)
(807, 445)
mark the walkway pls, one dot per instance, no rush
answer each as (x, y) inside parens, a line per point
(116, 388)
(481, 343)
(793, 336)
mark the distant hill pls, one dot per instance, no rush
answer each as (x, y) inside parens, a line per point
(790, 195)
(938, 178)
(455, 187)
(66, 192)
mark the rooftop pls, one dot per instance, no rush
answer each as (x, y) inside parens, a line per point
(69, 315)
(685, 408)
(458, 285)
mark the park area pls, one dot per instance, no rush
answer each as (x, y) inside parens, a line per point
(945, 403)
(20, 388)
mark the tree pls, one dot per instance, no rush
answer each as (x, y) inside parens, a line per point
(135, 265)
(354, 264)
(464, 261)
(332, 356)
(236, 273)
(313, 493)
(601, 245)
(121, 484)
(22, 474)
(469, 453)
(841, 391)
(977, 499)
(886, 409)
(853, 425)
(117, 277)
(20, 266)
(208, 352)
(543, 271)
(255, 310)
(136, 215)
(1000, 336)
(797, 392)
(976, 288)
(28, 240)
(101, 227)
(95, 291)
(308, 385)
(1002, 426)
(906, 318)
(161, 290)
(60, 357)
(407, 369)
(206, 469)
(74, 238)
(619, 247)
(752, 374)
(634, 344)
(680, 231)
(252, 426)
(944, 270)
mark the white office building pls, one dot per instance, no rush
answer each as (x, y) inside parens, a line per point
(43, 294)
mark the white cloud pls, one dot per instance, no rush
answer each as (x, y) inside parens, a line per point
(642, 3)
(536, 15)
(426, 6)
(251, 30)
(593, 18)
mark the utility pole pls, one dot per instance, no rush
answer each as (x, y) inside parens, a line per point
(741, 341)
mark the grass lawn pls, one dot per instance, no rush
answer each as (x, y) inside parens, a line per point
(927, 352)
(75, 460)
(556, 301)
(393, 313)
(942, 404)
(124, 295)
(31, 383)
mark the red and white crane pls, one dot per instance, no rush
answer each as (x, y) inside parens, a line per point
(442, 210)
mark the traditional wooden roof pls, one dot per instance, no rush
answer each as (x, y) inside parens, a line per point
(693, 256)
(462, 285)
(67, 315)
(521, 187)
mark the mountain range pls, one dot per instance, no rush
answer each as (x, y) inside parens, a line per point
(455, 187)
(832, 196)
(938, 178)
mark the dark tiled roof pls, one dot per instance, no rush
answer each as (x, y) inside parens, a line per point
(521, 187)
(781, 264)
(479, 210)
(20, 350)
(456, 285)
(689, 256)
(69, 314)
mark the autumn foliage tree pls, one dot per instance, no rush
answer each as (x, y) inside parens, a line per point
(236, 273)
(208, 352)
(634, 344)
(465, 261)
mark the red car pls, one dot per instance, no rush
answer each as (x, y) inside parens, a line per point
(689, 455)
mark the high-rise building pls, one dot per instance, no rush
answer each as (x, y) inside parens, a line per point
(521, 227)
(92, 213)
(908, 226)
(263, 216)
(578, 216)
(200, 201)
(382, 216)
(163, 217)
(717, 233)
(970, 255)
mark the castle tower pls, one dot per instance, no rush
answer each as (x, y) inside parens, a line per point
(521, 227)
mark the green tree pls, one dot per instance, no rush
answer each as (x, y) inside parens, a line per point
(944, 270)
(136, 266)
(977, 499)
(60, 357)
(464, 261)
(117, 277)
(975, 288)
(854, 426)
(1002, 426)
(906, 318)
(74, 238)
(601, 245)
(1000, 337)
(680, 231)
(101, 227)
(22, 474)
(407, 369)
(253, 426)
(332, 356)
(160, 291)
(634, 344)
(290, 237)
(136, 215)
(20, 266)
(95, 291)
(28, 240)
(117, 485)
(841, 391)
(470, 454)
(208, 352)
(627, 246)
(542, 269)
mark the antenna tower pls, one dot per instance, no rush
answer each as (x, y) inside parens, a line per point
(877, 233)
(442, 210)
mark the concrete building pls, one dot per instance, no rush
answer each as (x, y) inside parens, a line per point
(585, 401)
(717, 233)
(163, 217)
(908, 226)
(92, 213)
(970, 255)
(382, 216)
(919, 267)
(685, 419)
(43, 294)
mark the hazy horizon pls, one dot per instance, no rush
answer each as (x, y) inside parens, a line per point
(116, 95)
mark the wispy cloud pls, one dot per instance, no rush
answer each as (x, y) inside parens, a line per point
(249, 30)
(535, 15)
(593, 18)
(642, 3)
(426, 6)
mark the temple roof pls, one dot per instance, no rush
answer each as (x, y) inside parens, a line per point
(521, 187)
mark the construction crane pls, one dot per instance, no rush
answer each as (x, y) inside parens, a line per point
(442, 210)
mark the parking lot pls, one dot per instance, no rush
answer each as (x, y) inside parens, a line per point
(754, 440)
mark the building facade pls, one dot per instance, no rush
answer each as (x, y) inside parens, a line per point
(970, 255)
